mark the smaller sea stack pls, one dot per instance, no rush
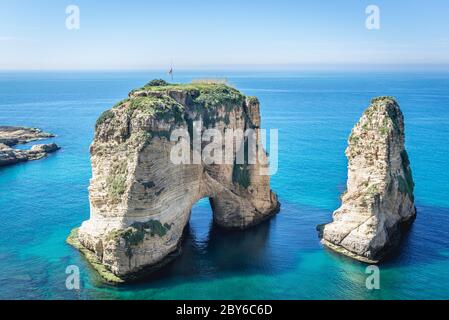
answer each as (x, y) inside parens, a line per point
(379, 199)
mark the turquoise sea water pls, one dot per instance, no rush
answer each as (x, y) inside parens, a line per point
(41, 201)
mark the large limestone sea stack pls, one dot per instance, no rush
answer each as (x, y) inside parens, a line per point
(141, 201)
(379, 199)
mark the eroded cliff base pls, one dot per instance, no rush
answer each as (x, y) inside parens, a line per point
(387, 252)
(110, 277)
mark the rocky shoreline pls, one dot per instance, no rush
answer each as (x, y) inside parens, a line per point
(11, 136)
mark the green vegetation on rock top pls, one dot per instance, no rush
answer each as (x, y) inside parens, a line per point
(376, 104)
(219, 95)
(157, 82)
(252, 100)
(162, 107)
(383, 106)
(207, 93)
(383, 98)
(108, 114)
(157, 98)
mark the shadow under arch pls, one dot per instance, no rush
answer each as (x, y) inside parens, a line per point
(208, 249)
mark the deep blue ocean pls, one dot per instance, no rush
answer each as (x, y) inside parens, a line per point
(41, 201)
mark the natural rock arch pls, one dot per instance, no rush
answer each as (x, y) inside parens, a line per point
(141, 201)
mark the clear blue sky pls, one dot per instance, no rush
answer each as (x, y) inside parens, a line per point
(136, 34)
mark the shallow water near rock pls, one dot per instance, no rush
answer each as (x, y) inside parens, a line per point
(42, 201)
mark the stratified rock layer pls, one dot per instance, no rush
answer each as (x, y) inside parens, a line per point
(140, 201)
(379, 198)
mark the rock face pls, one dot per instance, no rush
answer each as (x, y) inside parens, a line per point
(140, 200)
(379, 198)
(11, 136)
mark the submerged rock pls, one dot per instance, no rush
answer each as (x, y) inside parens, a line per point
(45, 148)
(11, 136)
(379, 199)
(141, 201)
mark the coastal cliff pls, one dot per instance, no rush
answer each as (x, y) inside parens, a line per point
(11, 136)
(379, 199)
(141, 201)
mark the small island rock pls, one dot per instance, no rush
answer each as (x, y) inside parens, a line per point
(379, 200)
(11, 136)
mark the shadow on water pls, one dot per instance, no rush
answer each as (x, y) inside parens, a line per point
(210, 252)
(417, 246)
(221, 253)
(273, 248)
(425, 240)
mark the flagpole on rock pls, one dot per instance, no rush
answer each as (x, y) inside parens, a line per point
(170, 72)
